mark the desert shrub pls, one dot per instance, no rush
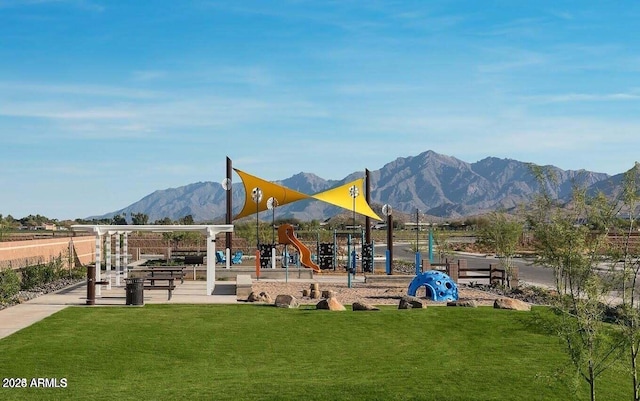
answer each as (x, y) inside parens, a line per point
(9, 285)
(78, 273)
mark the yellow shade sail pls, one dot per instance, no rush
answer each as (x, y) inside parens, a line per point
(282, 194)
(342, 196)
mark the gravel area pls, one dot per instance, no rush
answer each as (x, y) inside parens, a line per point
(367, 293)
(24, 296)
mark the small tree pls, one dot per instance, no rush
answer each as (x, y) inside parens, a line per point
(139, 219)
(624, 252)
(502, 236)
(442, 243)
(118, 220)
(565, 242)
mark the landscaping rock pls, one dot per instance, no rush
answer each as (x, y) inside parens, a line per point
(328, 294)
(314, 287)
(315, 294)
(362, 306)
(511, 304)
(468, 303)
(306, 293)
(262, 297)
(409, 302)
(286, 301)
(330, 304)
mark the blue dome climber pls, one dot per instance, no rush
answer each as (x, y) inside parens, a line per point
(439, 286)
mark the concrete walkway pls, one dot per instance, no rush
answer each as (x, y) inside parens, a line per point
(18, 317)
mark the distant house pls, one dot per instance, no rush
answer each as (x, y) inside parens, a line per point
(48, 227)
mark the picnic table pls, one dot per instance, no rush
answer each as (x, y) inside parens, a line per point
(150, 284)
(164, 271)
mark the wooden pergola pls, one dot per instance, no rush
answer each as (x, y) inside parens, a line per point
(107, 231)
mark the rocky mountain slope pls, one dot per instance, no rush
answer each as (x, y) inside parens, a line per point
(436, 184)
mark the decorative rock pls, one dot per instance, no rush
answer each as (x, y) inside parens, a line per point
(409, 302)
(315, 294)
(511, 304)
(469, 303)
(362, 306)
(262, 297)
(328, 294)
(314, 287)
(306, 293)
(286, 301)
(330, 304)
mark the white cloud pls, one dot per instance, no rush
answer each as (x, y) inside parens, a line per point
(22, 89)
(584, 97)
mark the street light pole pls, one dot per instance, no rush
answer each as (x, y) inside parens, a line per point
(256, 195)
(418, 261)
(353, 192)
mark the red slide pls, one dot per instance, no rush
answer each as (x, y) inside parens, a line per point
(286, 236)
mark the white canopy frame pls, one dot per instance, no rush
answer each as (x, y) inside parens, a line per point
(101, 230)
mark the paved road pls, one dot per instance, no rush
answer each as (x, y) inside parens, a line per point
(529, 273)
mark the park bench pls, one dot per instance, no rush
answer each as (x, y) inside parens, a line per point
(193, 259)
(493, 274)
(151, 284)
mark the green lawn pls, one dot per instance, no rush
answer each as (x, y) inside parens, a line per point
(250, 352)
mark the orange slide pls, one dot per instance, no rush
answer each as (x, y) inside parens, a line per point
(286, 236)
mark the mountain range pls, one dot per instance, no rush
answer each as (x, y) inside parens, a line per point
(435, 184)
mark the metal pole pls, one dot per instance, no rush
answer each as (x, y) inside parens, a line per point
(367, 197)
(349, 260)
(417, 242)
(430, 244)
(229, 190)
(390, 244)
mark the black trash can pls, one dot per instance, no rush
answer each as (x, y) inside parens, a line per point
(135, 291)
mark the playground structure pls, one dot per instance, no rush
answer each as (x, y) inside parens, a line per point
(439, 286)
(286, 236)
(261, 195)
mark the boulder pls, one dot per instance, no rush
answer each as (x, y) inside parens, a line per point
(362, 306)
(511, 304)
(315, 294)
(330, 304)
(328, 294)
(286, 301)
(306, 293)
(467, 303)
(314, 287)
(409, 302)
(262, 297)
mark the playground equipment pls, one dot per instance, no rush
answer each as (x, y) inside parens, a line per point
(286, 236)
(439, 286)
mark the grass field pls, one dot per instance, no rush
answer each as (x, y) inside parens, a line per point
(249, 352)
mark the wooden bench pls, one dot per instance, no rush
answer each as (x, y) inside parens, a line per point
(152, 285)
(492, 273)
(175, 272)
(244, 286)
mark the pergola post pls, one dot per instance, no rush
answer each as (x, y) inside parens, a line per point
(118, 256)
(108, 259)
(98, 262)
(211, 261)
(125, 255)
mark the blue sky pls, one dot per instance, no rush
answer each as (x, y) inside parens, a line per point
(103, 102)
